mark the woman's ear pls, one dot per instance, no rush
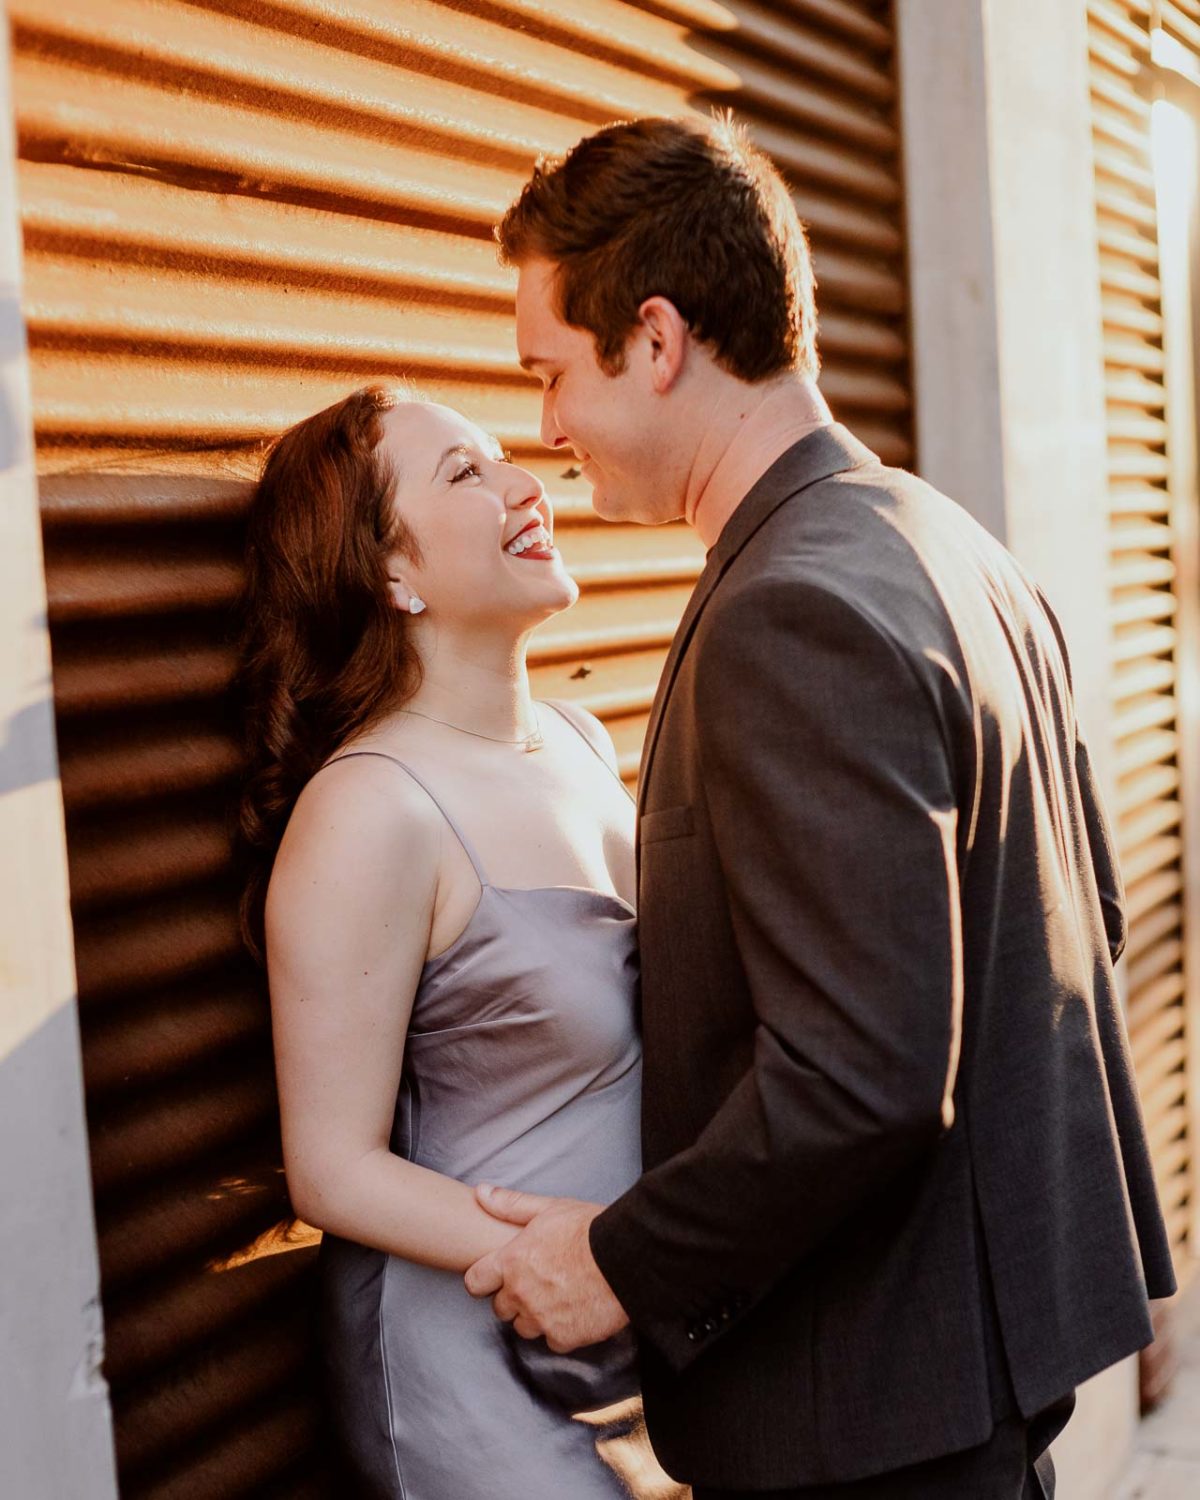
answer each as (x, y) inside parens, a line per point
(404, 597)
(667, 333)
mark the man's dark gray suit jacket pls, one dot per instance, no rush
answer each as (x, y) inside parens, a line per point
(896, 1179)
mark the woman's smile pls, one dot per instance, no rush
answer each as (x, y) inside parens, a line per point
(532, 542)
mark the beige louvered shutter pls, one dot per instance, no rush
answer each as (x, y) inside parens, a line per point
(1146, 604)
(1180, 19)
(235, 213)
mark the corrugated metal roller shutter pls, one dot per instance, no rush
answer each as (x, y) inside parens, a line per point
(234, 213)
(1144, 606)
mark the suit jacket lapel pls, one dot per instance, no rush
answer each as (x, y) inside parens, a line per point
(704, 587)
(830, 450)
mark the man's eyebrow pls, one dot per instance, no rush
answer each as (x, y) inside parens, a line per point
(529, 360)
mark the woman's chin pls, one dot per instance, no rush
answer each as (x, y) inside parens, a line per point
(553, 587)
(553, 599)
(561, 598)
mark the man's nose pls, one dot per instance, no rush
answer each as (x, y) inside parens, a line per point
(551, 434)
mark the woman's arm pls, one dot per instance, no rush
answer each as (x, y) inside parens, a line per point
(348, 917)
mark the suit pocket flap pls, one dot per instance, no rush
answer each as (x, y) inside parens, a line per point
(665, 823)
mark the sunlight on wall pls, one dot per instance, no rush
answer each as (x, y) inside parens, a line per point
(1175, 165)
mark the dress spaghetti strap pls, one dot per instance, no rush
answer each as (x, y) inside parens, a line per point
(468, 847)
(566, 711)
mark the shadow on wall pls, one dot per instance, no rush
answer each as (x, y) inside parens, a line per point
(13, 447)
(200, 1257)
(27, 742)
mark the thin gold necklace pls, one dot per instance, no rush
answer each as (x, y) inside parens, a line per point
(529, 743)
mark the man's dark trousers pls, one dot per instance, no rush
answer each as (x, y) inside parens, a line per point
(1014, 1464)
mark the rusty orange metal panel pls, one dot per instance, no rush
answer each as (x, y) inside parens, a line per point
(233, 214)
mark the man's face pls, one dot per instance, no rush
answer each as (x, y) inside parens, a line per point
(613, 423)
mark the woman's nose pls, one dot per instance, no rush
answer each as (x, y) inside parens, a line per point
(526, 490)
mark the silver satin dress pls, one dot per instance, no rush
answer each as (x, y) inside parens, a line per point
(522, 1066)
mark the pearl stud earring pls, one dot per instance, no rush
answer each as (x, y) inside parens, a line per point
(415, 605)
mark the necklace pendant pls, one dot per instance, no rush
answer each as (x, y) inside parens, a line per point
(533, 742)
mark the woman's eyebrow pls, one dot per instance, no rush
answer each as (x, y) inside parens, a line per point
(492, 446)
(449, 453)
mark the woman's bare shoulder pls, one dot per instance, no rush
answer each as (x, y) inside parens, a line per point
(374, 781)
(594, 730)
(359, 822)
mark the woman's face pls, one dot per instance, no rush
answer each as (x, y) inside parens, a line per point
(467, 506)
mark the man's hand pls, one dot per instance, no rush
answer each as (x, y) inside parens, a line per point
(545, 1281)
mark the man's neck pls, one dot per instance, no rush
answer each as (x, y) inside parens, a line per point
(752, 426)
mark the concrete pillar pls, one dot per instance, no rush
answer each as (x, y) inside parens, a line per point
(1006, 295)
(55, 1429)
(1009, 373)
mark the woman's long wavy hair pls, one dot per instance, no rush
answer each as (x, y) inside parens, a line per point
(324, 651)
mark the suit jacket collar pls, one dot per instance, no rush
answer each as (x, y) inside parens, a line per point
(819, 455)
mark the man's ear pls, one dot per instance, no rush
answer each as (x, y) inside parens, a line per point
(668, 336)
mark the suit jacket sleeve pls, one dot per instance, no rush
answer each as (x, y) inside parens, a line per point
(1101, 844)
(1103, 851)
(830, 793)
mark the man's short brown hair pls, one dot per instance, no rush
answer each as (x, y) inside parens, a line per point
(671, 208)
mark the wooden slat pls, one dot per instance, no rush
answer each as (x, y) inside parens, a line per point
(1153, 963)
(1150, 891)
(1163, 920)
(1150, 675)
(1146, 787)
(1150, 857)
(1182, 21)
(1148, 711)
